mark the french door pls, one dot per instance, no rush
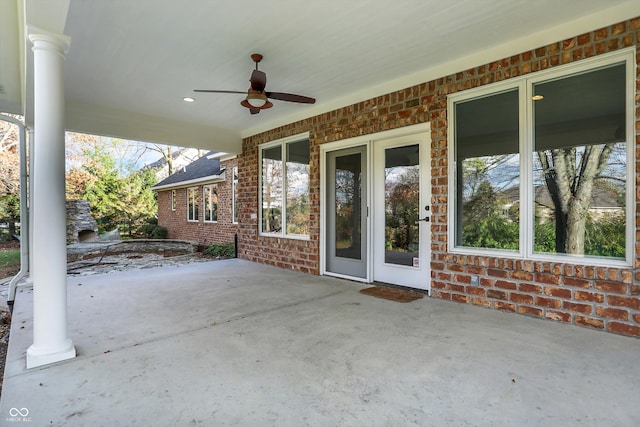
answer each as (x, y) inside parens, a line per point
(401, 247)
(346, 210)
(377, 211)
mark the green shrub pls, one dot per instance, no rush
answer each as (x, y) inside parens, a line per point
(159, 232)
(147, 230)
(220, 249)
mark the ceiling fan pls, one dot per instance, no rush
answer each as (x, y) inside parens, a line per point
(257, 98)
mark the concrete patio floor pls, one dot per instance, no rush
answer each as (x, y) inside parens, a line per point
(233, 343)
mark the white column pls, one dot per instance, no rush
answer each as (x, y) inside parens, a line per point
(51, 342)
(32, 139)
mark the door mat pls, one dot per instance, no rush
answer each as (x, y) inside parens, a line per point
(393, 294)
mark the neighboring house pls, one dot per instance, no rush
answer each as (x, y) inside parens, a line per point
(603, 202)
(181, 158)
(198, 202)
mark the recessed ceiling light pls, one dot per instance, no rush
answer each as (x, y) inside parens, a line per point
(537, 97)
(188, 99)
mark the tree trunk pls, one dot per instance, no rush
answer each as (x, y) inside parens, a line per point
(169, 159)
(571, 190)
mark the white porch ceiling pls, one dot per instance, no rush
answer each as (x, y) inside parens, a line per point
(130, 63)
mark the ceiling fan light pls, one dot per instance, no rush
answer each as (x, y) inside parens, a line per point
(256, 100)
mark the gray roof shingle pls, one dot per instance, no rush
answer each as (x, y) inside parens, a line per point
(199, 169)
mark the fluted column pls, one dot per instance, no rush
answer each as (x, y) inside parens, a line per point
(51, 342)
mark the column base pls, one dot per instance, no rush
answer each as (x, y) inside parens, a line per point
(40, 357)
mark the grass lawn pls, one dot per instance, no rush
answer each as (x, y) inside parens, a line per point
(8, 258)
(9, 262)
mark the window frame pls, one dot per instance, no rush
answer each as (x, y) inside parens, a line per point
(234, 197)
(524, 85)
(173, 200)
(283, 143)
(207, 192)
(196, 203)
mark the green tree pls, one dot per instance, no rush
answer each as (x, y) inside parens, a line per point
(485, 224)
(9, 176)
(119, 196)
(139, 202)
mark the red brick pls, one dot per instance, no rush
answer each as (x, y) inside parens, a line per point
(442, 295)
(483, 302)
(503, 284)
(496, 294)
(497, 273)
(462, 278)
(529, 288)
(590, 322)
(476, 290)
(475, 270)
(631, 302)
(611, 287)
(621, 328)
(521, 298)
(455, 288)
(487, 283)
(504, 306)
(636, 318)
(588, 296)
(580, 308)
(548, 302)
(612, 313)
(558, 292)
(580, 283)
(460, 298)
(437, 285)
(532, 311)
(521, 275)
(557, 316)
(550, 279)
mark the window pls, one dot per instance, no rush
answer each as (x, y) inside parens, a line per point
(192, 203)
(285, 187)
(173, 200)
(210, 202)
(488, 172)
(234, 194)
(541, 164)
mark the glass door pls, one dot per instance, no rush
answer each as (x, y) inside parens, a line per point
(346, 207)
(401, 212)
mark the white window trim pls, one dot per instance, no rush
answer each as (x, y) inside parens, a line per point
(234, 185)
(188, 200)
(525, 84)
(283, 143)
(173, 200)
(204, 203)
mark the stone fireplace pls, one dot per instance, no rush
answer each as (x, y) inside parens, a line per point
(81, 226)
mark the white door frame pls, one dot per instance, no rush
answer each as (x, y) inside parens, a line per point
(368, 140)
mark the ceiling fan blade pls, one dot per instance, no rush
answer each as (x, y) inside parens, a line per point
(290, 97)
(219, 91)
(258, 80)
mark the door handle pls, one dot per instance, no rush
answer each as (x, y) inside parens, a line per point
(425, 219)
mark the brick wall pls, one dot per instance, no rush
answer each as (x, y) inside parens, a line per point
(595, 297)
(204, 233)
